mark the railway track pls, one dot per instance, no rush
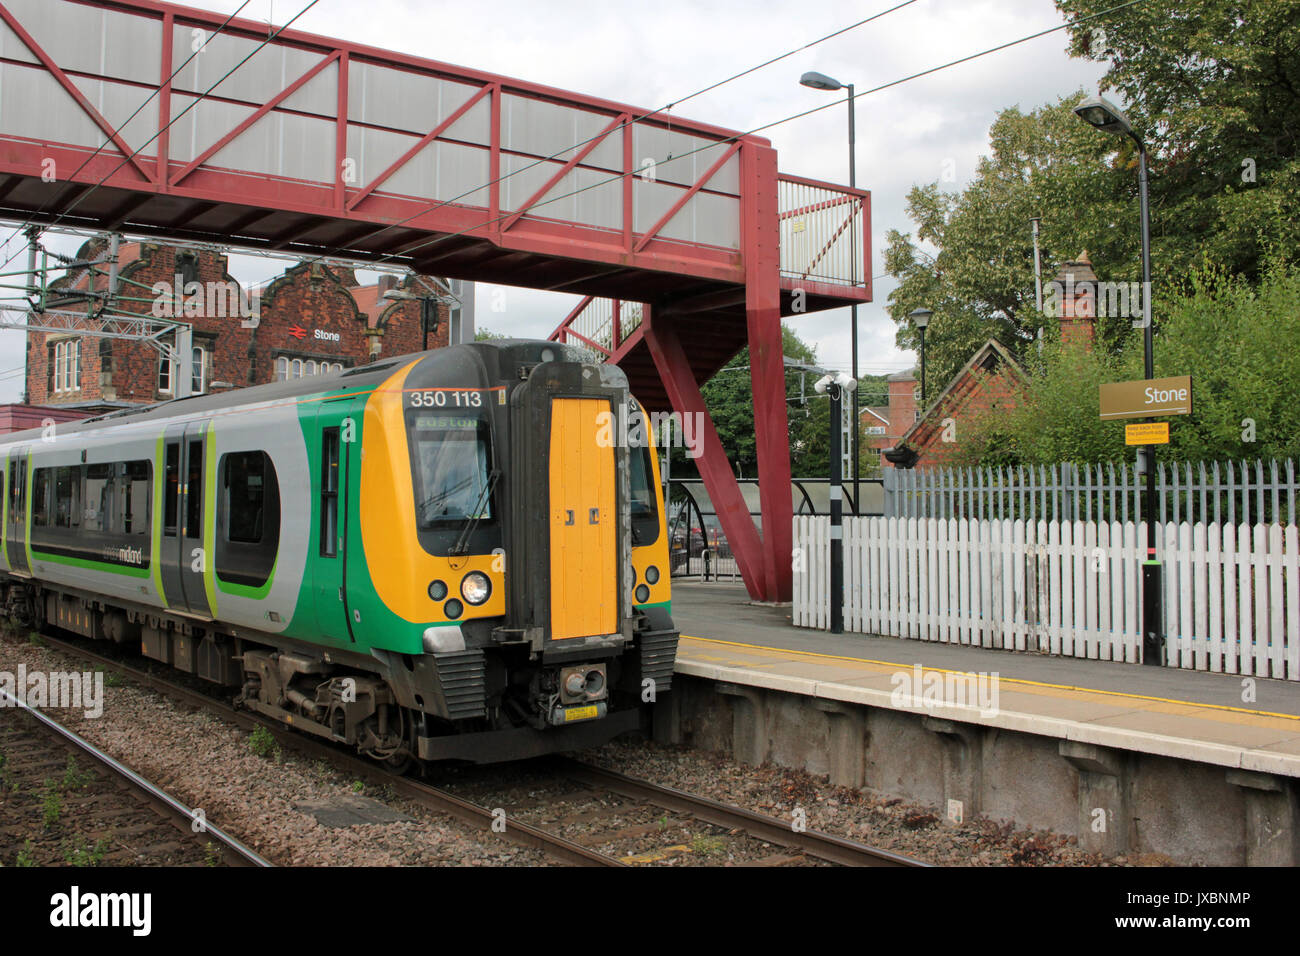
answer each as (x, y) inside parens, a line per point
(607, 818)
(101, 811)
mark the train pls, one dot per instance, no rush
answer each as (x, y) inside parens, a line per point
(445, 556)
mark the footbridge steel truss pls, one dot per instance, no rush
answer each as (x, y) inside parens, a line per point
(127, 121)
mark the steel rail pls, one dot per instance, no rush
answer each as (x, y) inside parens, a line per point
(235, 851)
(521, 834)
(814, 843)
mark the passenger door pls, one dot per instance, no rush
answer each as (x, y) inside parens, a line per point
(185, 559)
(336, 434)
(15, 529)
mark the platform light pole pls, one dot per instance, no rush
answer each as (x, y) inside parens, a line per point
(834, 386)
(921, 319)
(1099, 112)
(820, 81)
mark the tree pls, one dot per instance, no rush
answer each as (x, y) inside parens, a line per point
(1236, 341)
(730, 401)
(1213, 86)
(980, 284)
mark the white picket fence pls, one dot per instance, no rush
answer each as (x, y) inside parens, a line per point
(1231, 592)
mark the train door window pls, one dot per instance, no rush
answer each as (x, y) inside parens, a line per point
(171, 488)
(329, 493)
(248, 516)
(194, 492)
(18, 493)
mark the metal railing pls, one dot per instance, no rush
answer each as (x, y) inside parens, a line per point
(1232, 492)
(822, 232)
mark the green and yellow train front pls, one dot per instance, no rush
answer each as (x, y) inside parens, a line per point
(513, 561)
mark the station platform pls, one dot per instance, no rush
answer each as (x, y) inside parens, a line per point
(1160, 711)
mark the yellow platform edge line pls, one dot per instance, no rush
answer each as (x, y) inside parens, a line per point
(1009, 680)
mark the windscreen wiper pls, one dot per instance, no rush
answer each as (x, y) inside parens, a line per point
(462, 540)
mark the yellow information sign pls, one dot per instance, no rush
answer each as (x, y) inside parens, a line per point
(1147, 433)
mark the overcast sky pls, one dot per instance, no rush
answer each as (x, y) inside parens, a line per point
(651, 54)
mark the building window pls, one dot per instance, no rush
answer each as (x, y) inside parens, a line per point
(199, 379)
(287, 368)
(67, 366)
(164, 374)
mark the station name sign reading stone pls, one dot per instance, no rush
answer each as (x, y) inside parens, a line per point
(1147, 398)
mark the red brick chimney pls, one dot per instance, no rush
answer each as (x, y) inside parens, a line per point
(1075, 294)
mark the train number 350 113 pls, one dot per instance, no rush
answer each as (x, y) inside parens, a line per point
(442, 399)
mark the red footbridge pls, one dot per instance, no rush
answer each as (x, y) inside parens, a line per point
(686, 241)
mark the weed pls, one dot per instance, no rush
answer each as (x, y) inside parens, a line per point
(263, 744)
(81, 855)
(211, 854)
(51, 805)
(73, 778)
(25, 857)
(357, 786)
(707, 846)
(35, 638)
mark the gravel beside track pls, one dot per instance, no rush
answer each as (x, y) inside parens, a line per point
(265, 798)
(210, 765)
(887, 823)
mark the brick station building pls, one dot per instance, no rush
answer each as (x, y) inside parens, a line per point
(312, 319)
(989, 381)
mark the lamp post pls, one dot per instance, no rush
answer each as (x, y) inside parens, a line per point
(834, 386)
(921, 318)
(820, 81)
(1105, 116)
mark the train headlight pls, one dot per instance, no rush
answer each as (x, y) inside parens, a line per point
(642, 593)
(453, 609)
(475, 587)
(652, 575)
(437, 590)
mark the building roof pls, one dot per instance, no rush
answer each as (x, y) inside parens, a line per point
(989, 357)
(908, 375)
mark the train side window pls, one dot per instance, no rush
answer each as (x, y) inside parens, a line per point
(171, 488)
(194, 492)
(329, 493)
(248, 517)
(136, 494)
(40, 498)
(98, 497)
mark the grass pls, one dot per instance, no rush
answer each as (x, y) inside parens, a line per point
(25, 857)
(34, 638)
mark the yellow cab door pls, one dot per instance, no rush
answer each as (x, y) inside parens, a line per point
(584, 570)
